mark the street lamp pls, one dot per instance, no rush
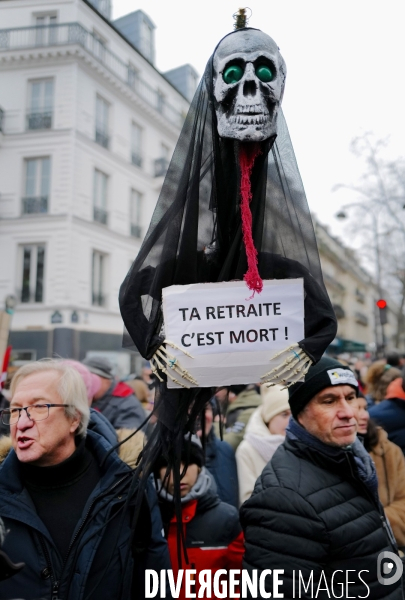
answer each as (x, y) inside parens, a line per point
(341, 215)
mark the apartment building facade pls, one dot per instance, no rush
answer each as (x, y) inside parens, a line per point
(354, 293)
(88, 125)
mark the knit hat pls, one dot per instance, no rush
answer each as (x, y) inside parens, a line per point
(99, 366)
(91, 382)
(274, 401)
(326, 373)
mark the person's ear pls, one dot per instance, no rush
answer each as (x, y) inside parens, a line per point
(75, 422)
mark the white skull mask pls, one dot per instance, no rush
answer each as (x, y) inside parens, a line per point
(249, 77)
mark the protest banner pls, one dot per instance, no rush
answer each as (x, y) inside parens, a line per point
(230, 336)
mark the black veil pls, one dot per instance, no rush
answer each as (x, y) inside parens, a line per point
(195, 236)
(195, 233)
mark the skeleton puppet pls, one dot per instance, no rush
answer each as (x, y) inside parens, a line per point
(232, 206)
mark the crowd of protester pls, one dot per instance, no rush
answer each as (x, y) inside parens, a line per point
(75, 520)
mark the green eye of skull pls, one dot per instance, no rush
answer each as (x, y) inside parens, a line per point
(233, 74)
(264, 73)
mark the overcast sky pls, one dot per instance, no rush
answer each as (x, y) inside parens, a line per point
(345, 74)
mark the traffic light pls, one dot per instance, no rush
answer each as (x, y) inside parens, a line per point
(382, 307)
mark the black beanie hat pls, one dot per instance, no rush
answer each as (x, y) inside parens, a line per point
(325, 373)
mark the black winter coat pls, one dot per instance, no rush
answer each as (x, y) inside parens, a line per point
(310, 512)
(98, 560)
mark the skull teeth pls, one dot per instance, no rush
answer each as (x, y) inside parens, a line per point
(251, 109)
(249, 119)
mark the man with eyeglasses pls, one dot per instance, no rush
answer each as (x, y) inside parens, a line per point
(66, 498)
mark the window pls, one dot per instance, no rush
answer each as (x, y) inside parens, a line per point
(160, 99)
(37, 185)
(162, 163)
(133, 76)
(97, 278)
(40, 104)
(165, 151)
(46, 31)
(22, 357)
(102, 108)
(147, 40)
(99, 45)
(100, 213)
(33, 264)
(136, 145)
(136, 214)
(103, 7)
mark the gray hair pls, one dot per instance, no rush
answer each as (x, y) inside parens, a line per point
(71, 388)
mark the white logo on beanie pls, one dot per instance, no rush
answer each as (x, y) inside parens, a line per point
(342, 376)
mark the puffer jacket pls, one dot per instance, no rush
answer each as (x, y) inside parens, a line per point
(121, 407)
(213, 535)
(390, 413)
(220, 462)
(254, 452)
(390, 466)
(98, 565)
(310, 512)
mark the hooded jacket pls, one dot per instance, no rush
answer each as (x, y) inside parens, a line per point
(238, 415)
(390, 466)
(213, 535)
(97, 560)
(121, 407)
(311, 513)
(390, 413)
(254, 452)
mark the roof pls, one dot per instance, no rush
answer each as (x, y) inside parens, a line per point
(118, 32)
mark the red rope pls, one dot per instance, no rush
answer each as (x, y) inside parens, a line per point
(247, 156)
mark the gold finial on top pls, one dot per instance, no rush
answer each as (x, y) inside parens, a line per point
(241, 18)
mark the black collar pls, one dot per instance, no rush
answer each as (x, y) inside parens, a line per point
(60, 475)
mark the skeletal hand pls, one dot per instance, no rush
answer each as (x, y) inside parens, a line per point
(293, 368)
(163, 360)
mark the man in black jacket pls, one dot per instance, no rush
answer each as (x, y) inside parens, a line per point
(67, 500)
(315, 513)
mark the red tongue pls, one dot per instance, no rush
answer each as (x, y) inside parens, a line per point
(247, 156)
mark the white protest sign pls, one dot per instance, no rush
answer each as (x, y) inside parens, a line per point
(230, 335)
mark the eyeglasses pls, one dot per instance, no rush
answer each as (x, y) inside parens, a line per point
(36, 412)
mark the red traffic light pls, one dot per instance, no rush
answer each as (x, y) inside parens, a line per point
(381, 303)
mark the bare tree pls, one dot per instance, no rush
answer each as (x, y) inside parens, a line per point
(378, 216)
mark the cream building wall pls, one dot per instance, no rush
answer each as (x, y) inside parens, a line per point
(68, 317)
(353, 294)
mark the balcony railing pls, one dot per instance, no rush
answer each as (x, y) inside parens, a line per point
(161, 166)
(100, 215)
(361, 318)
(339, 312)
(63, 34)
(39, 120)
(136, 230)
(34, 204)
(102, 139)
(136, 159)
(98, 299)
(26, 295)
